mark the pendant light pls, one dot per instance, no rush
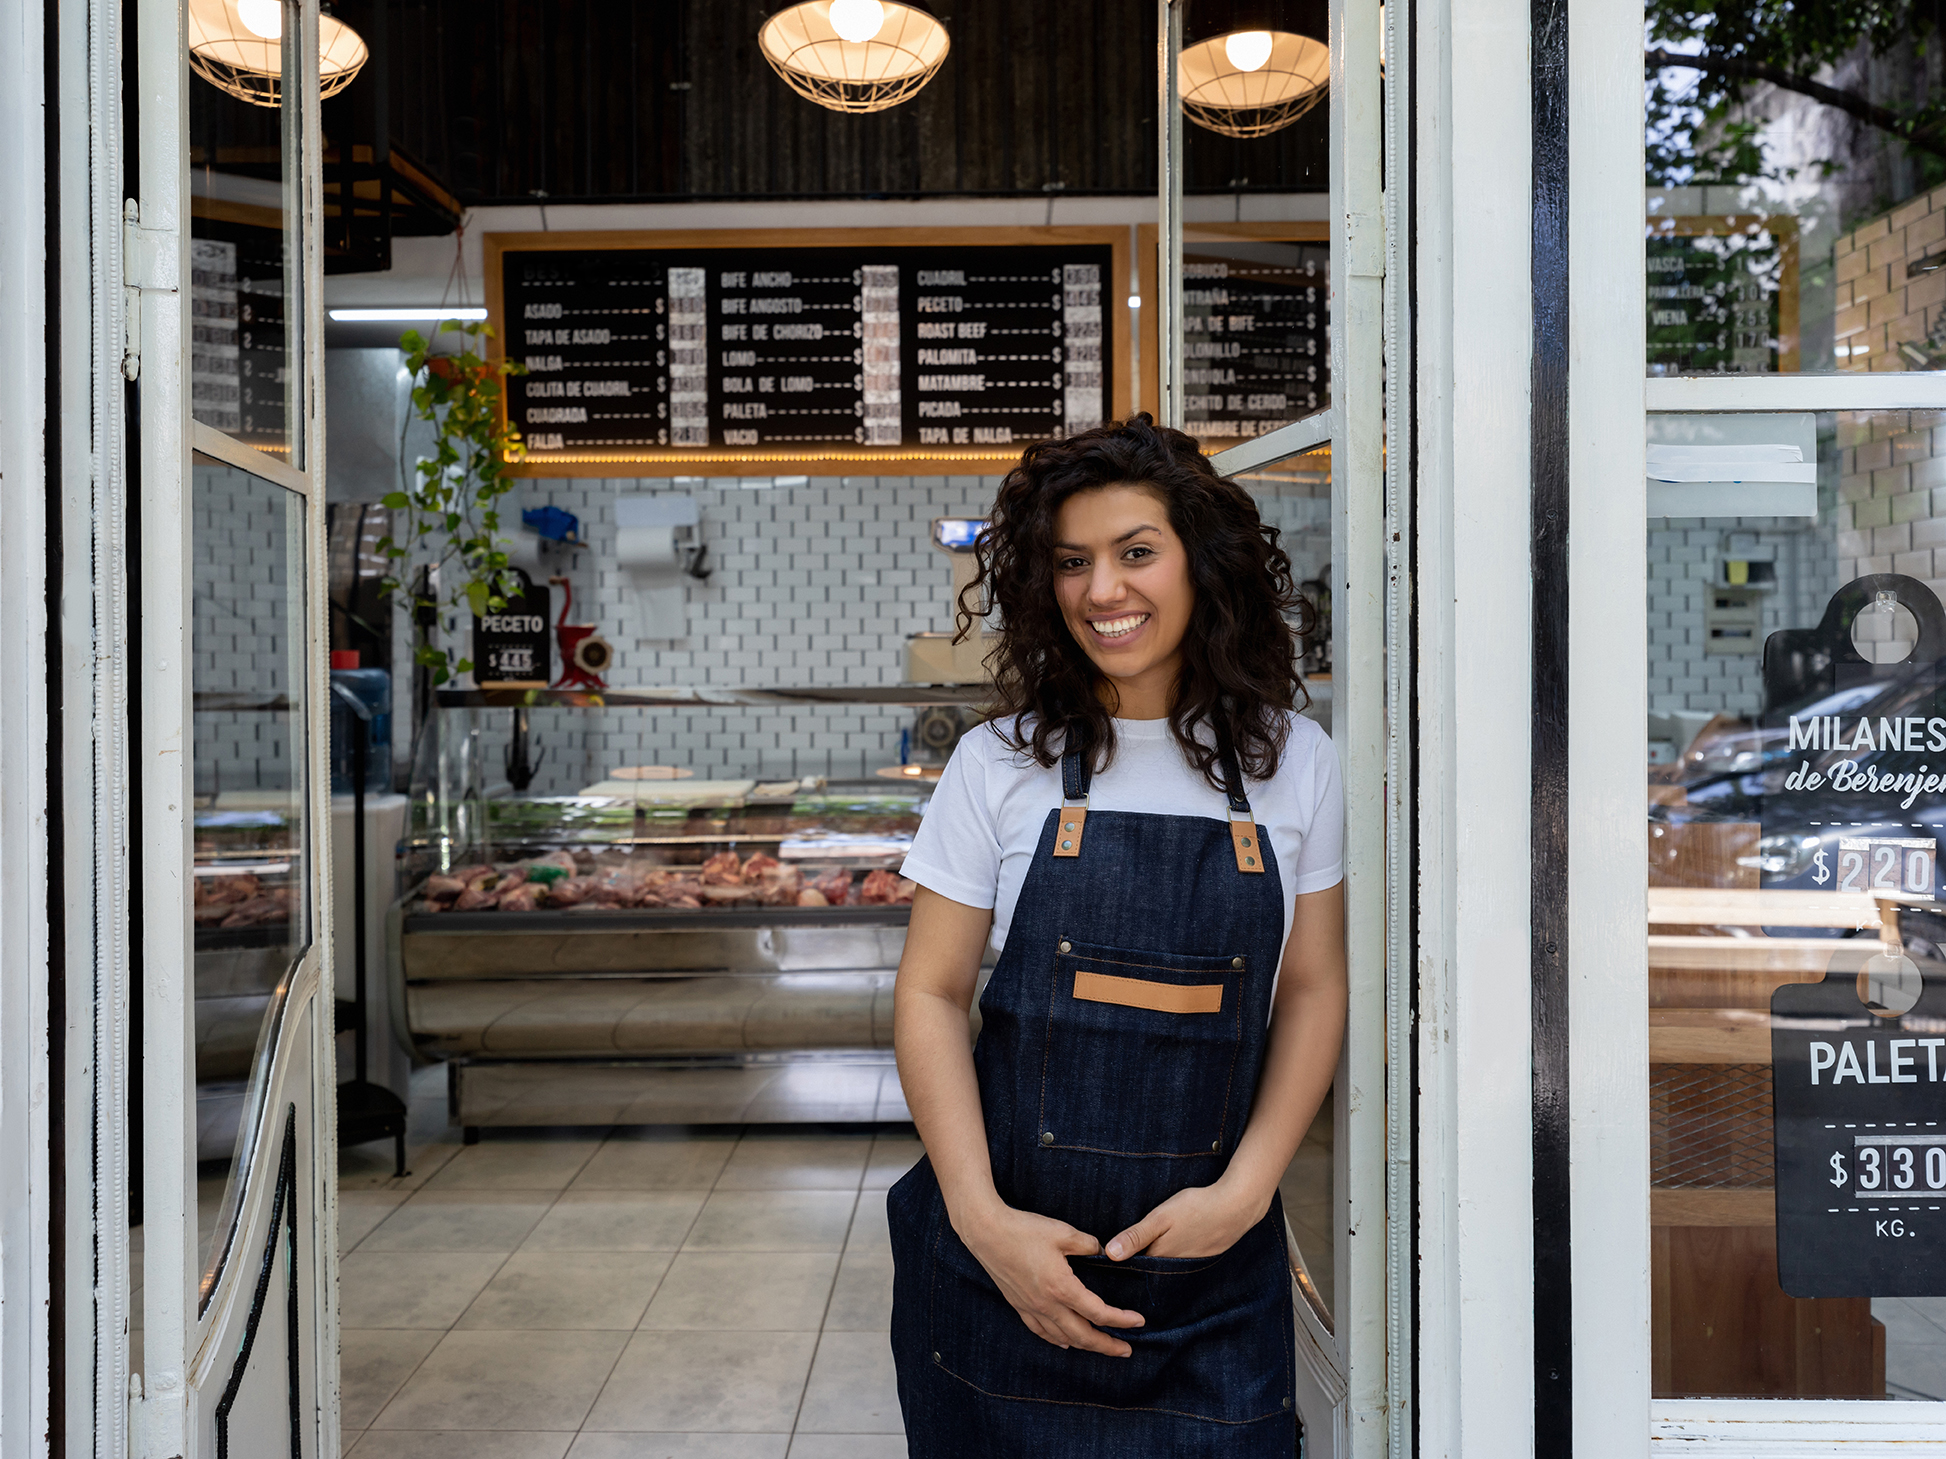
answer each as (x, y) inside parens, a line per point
(238, 46)
(1248, 73)
(855, 55)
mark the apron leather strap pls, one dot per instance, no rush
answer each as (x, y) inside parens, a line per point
(1244, 837)
(1077, 773)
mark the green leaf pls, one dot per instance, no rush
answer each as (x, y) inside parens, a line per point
(395, 500)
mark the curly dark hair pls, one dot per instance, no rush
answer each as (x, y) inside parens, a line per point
(1239, 653)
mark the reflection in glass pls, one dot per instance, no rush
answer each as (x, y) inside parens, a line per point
(1773, 878)
(250, 902)
(1256, 325)
(1796, 220)
(245, 276)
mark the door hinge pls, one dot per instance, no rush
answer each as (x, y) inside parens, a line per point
(138, 1443)
(1365, 245)
(152, 262)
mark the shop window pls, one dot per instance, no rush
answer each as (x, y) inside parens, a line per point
(1797, 936)
(1796, 189)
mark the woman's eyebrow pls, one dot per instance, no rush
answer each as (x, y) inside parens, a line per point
(1131, 532)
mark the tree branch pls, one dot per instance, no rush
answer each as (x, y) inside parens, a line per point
(1850, 102)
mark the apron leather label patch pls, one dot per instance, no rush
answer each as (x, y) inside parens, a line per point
(1244, 837)
(1067, 831)
(1140, 993)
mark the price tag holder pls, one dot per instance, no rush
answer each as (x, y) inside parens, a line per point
(1859, 1109)
(513, 646)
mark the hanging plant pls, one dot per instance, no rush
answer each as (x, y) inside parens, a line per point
(448, 517)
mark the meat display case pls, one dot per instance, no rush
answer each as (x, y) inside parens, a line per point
(649, 946)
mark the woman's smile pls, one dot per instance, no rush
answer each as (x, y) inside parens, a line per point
(1121, 577)
(1120, 627)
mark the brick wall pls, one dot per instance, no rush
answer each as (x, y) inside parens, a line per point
(1878, 305)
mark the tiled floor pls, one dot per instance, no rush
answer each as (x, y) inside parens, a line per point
(627, 1294)
(1915, 1345)
(638, 1293)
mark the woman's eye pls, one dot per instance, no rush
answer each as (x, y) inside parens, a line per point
(1069, 564)
(1136, 554)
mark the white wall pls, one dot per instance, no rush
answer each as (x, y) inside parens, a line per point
(815, 581)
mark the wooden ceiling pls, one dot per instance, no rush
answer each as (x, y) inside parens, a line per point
(616, 100)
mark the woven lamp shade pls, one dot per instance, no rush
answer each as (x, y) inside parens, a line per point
(1218, 95)
(854, 76)
(236, 57)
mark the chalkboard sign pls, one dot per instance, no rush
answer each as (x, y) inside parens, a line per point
(1256, 308)
(1860, 1129)
(1722, 295)
(838, 346)
(1256, 337)
(511, 645)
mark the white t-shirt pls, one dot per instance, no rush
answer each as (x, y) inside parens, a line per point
(983, 825)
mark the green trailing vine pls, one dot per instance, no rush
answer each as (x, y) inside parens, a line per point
(448, 517)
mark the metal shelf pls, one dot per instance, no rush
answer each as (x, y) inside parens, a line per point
(888, 696)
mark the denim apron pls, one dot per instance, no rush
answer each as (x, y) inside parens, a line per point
(1122, 1036)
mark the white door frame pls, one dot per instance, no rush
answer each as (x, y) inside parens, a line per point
(1356, 1362)
(192, 1342)
(1473, 350)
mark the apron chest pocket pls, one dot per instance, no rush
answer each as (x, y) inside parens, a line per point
(1141, 1051)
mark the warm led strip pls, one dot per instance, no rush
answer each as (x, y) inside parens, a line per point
(534, 459)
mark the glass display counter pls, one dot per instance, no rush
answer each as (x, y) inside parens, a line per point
(668, 941)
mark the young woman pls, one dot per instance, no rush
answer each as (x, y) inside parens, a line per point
(1090, 1260)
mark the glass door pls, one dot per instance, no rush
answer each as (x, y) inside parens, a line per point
(1306, 307)
(236, 1350)
(1795, 739)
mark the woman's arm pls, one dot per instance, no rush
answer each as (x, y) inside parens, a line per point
(1307, 1026)
(1025, 1254)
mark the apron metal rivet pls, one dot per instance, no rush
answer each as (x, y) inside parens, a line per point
(1249, 861)
(1068, 827)
(1047, 1137)
(1067, 947)
(937, 1359)
(1216, 1147)
(1246, 841)
(1067, 845)
(1287, 1402)
(1237, 963)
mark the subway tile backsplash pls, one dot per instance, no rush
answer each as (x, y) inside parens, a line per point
(813, 581)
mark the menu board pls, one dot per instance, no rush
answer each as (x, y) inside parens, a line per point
(1722, 295)
(687, 357)
(1256, 337)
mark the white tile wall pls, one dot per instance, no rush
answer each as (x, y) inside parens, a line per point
(815, 581)
(243, 538)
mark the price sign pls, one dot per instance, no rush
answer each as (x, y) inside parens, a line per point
(1848, 773)
(1860, 1129)
(511, 644)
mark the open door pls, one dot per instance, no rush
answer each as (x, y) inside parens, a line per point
(1351, 1270)
(237, 1350)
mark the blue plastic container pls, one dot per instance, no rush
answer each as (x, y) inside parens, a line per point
(372, 688)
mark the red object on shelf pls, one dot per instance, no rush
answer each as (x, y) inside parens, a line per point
(584, 653)
(344, 658)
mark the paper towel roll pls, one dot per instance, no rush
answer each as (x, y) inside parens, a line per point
(649, 551)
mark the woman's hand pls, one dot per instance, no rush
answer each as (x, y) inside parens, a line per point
(1203, 1220)
(1027, 1257)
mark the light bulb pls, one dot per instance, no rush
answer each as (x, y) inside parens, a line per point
(1248, 50)
(262, 18)
(857, 20)
(1135, 301)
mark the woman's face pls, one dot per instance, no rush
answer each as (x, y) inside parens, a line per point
(1121, 576)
